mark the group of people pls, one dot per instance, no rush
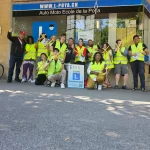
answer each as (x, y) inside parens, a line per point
(50, 57)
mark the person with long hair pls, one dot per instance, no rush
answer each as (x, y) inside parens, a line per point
(41, 71)
(108, 58)
(29, 59)
(80, 57)
(80, 53)
(96, 71)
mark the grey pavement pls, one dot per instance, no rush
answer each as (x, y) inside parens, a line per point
(43, 118)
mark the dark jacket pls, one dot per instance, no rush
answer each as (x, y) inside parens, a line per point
(16, 48)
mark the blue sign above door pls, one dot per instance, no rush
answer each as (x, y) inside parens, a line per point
(74, 5)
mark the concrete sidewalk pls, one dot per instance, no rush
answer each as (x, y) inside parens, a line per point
(43, 118)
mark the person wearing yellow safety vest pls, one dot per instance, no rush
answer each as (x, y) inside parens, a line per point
(42, 46)
(41, 71)
(56, 72)
(96, 71)
(29, 59)
(121, 63)
(50, 43)
(137, 51)
(80, 58)
(80, 53)
(91, 50)
(108, 58)
(61, 46)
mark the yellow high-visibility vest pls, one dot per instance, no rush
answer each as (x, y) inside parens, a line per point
(93, 51)
(80, 52)
(41, 49)
(54, 67)
(41, 66)
(138, 50)
(62, 49)
(31, 52)
(97, 68)
(119, 58)
(109, 62)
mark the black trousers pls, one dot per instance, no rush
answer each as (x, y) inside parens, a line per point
(40, 80)
(14, 61)
(138, 68)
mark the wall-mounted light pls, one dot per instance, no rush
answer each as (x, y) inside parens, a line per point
(97, 24)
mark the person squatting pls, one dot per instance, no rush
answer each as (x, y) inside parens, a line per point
(51, 56)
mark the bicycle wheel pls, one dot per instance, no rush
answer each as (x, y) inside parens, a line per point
(1, 70)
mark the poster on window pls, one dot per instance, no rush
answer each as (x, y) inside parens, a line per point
(75, 76)
(86, 35)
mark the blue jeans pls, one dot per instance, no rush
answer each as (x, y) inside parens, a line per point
(14, 61)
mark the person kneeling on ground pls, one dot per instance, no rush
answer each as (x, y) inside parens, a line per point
(96, 71)
(56, 72)
(42, 72)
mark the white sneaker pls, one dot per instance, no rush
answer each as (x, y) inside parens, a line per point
(53, 84)
(32, 81)
(24, 80)
(99, 87)
(62, 86)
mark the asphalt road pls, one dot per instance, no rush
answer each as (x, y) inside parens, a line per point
(41, 118)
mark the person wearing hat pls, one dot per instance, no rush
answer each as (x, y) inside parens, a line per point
(137, 51)
(16, 54)
(56, 71)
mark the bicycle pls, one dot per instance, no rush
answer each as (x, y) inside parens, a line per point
(1, 70)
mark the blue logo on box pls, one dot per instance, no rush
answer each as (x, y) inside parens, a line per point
(76, 76)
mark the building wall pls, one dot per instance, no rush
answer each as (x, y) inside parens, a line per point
(5, 19)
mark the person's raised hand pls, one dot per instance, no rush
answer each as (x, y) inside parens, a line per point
(11, 30)
(43, 36)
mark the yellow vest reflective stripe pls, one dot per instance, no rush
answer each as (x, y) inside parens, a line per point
(119, 58)
(41, 68)
(80, 52)
(41, 49)
(138, 50)
(109, 62)
(54, 67)
(31, 52)
(62, 49)
(93, 51)
(97, 67)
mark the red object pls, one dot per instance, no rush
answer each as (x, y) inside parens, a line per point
(84, 52)
(85, 83)
(23, 33)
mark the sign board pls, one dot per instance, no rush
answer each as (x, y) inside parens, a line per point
(86, 35)
(73, 5)
(50, 28)
(75, 76)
